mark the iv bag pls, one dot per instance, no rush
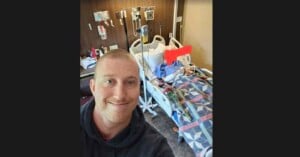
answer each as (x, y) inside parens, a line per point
(144, 33)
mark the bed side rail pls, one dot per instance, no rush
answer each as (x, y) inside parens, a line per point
(158, 38)
(135, 46)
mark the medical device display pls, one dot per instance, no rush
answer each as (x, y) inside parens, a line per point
(149, 14)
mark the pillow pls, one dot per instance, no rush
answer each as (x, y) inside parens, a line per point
(154, 59)
(160, 48)
(155, 56)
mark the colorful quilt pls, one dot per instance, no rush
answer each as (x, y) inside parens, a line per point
(192, 100)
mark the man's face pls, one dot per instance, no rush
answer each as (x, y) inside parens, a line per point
(116, 89)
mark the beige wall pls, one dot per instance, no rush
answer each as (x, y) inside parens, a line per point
(197, 31)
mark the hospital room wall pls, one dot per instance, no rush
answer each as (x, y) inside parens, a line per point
(89, 37)
(197, 31)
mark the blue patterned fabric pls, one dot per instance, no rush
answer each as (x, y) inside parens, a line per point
(196, 129)
(163, 70)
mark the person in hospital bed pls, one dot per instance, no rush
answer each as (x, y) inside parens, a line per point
(112, 124)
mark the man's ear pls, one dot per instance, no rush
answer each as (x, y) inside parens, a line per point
(92, 85)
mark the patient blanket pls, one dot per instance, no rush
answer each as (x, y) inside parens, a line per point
(194, 116)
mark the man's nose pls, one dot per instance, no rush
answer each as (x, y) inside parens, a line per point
(120, 92)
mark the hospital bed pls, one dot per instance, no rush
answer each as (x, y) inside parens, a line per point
(185, 95)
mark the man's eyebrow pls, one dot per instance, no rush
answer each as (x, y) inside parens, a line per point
(132, 77)
(129, 77)
(107, 75)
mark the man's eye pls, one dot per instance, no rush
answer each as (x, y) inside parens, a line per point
(132, 82)
(108, 82)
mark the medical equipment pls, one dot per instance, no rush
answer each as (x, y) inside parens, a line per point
(90, 27)
(111, 23)
(149, 14)
(102, 32)
(146, 105)
(99, 17)
(105, 17)
(136, 19)
(121, 15)
(102, 16)
(143, 30)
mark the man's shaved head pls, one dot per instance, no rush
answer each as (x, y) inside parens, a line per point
(116, 54)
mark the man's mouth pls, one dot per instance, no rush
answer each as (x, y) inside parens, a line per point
(118, 104)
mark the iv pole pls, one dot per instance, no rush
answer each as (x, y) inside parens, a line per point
(146, 105)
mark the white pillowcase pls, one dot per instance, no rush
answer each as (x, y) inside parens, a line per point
(160, 48)
(155, 57)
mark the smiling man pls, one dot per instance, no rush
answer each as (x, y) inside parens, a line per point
(112, 124)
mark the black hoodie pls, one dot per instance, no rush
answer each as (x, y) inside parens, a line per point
(139, 139)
